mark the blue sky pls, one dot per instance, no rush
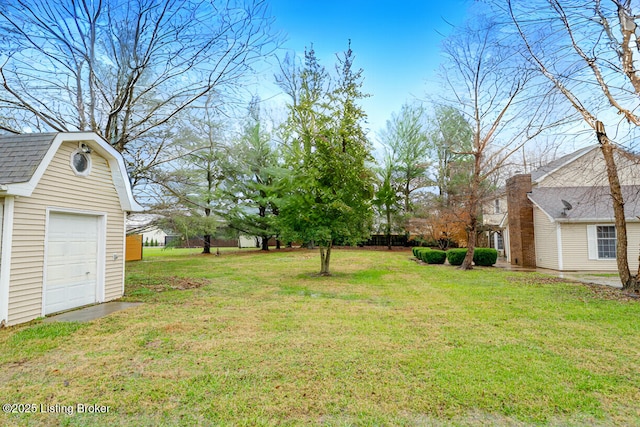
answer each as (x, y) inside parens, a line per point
(396, 43)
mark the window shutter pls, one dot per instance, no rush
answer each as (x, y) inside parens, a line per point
(592, 241)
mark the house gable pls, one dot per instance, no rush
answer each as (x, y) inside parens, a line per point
(29, 155)
(586, 167)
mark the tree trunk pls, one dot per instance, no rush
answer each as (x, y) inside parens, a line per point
(388, 228)
(265, 243)
(207, 237)
(207, 244)
(629, 282)
(467, 264)
(325, 258)
(474, 203)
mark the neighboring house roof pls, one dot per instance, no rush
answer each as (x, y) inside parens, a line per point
(588, 204)
(140, 223)
(24, 159)
(544, 171)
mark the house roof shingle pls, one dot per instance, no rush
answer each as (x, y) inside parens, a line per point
(20, 155)
(588, 203)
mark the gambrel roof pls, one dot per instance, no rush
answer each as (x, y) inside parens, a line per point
(24, 159)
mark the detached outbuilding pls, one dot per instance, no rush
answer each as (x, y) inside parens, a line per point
(64, 198)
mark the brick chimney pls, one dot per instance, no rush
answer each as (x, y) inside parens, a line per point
(521, 238)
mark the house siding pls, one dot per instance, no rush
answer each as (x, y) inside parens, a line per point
(60, 188)
(590, 170)
(576, 249)
(546, 238)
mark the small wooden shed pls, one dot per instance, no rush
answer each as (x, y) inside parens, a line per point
(64, 198)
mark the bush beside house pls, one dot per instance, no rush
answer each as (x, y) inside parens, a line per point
(430, 256)
(481, 257)
(456, 256)
(485, 256)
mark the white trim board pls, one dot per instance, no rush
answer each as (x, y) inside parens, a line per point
(5, 262)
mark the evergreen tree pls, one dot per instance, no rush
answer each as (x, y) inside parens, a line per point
(252, 185)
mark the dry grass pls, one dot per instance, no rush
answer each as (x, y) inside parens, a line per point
(259, 340)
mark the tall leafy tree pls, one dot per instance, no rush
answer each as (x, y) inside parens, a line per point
(387, 197)
(405, 136)
(190, 185)
(450, 139)
(330, 186)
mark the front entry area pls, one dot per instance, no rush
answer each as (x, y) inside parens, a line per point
(72, 271)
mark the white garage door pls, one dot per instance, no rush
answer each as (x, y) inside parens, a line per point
(72, 261)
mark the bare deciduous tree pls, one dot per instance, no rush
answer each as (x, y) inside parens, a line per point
(123, 68)
(589, 51)
(492, 93)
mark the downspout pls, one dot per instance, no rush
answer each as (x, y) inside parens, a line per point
(559, 246)
(6, 228)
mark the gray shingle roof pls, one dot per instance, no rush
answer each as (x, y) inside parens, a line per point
(588, 203)
(20, 155)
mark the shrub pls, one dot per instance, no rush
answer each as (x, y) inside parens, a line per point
(485, 256)
(417, 252)
(456, 256)
(434, 256)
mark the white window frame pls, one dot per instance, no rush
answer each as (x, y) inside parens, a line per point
(592, 241)
(87, 156)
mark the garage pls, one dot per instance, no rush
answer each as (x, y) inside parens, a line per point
(64, 200)
(73, 273)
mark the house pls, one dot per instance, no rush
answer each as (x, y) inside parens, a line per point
(147, 226)
(561, 217)
(494, 216)
(63, 202)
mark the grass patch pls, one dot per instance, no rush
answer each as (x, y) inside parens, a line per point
(28, 342)
(385, 341)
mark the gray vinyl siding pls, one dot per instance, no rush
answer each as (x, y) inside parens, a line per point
(545, 240)
(60, 188)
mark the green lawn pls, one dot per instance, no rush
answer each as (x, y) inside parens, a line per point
(255, 338)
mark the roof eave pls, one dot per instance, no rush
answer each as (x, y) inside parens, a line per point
(592, 220)
(16, 189)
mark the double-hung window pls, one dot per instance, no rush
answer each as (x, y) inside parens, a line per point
(606, 235)
(602, 241)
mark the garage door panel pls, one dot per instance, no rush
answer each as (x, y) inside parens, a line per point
(72, 261)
